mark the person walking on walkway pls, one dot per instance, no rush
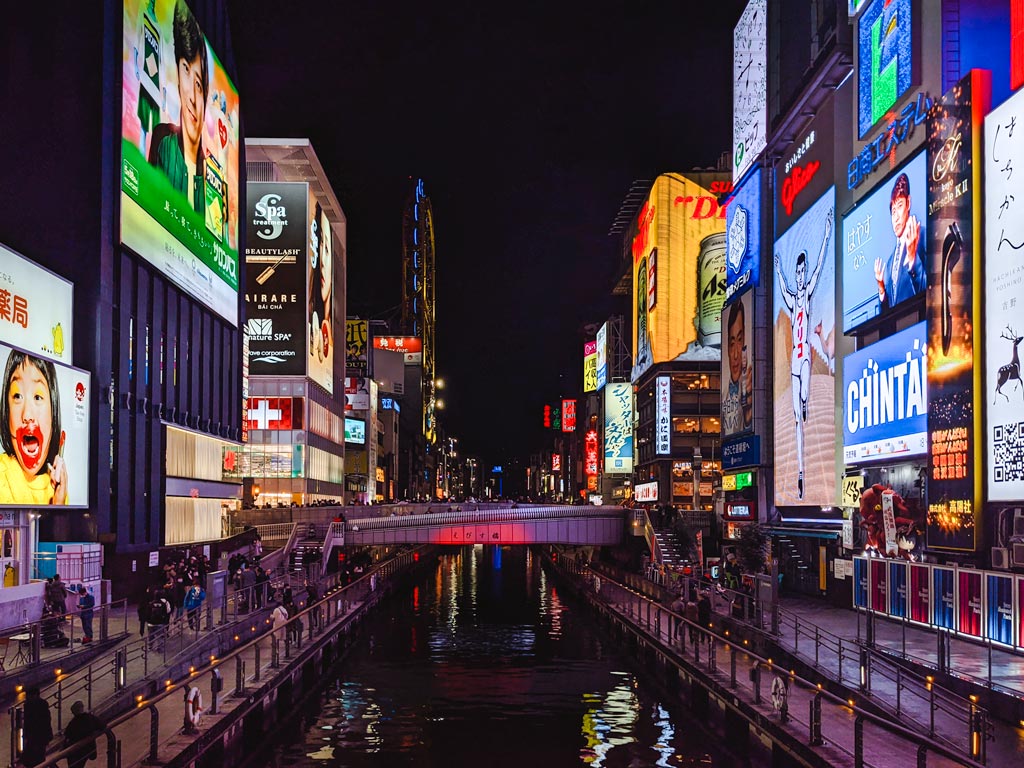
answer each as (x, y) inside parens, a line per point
(86, 603)
(81, 733)
(158, 617)
(704, 611)
(692, 618)
(311, 599)
(143, 610)
(279, 617)
(38, 729)
(193, 602)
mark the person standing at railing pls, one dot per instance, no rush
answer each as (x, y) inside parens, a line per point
(57, 595)
(86, 603)
(82, 731)
(38, 729)
(143, 609)
(193, 602)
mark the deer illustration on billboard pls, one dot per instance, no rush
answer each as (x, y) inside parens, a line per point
(1012, 369)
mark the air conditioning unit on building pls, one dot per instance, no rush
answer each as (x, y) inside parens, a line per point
(1001, 558)
(1018, 522)
(1017, 556)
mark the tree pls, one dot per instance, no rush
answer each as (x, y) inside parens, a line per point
(752, 548)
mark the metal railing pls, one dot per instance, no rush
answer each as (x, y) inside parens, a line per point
(55, 637)
(74, 567)
(721, 657)
(511, 514)
(275, 532)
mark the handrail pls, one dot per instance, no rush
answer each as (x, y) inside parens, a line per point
(511, 514)
(570, 566)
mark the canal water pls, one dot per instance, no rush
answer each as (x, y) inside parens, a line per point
(484, 662)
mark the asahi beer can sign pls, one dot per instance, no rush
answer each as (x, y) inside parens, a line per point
(711, 290)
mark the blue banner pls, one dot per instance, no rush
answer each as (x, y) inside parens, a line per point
(999, 608)
(743, 237)
(942, 597)
(885, 398)
(741, 452)
(898, 588)
(860, 582)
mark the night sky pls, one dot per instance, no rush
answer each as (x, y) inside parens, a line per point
(528, 124)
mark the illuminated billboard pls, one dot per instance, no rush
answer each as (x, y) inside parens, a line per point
(885, 400)
(320, 362)
(355, 431)
(1004, 300)
(590, 366)
(738, 366)
(274, 413)
(710, 290)
(806, 170)
(35, 308)
(357, 393)
(411, 347)
(671, 225)
(955, 404)
(749, 86)
(556, 462)
(275, 277)
(602, 356)
(179, 153)
(804, 363)
(618, 428)
(646, 491)
(885, 246)
(743, 236)
(568, 415)
(663, 415)
(590, 453)
(885, 41)
(44, 432)
(356, 339)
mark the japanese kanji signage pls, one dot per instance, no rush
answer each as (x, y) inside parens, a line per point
(954, 312)
(410, 346)
(568, 415)
(590, 454)
(590, 366)
(663, 416)
(35, 308)
(356, 334)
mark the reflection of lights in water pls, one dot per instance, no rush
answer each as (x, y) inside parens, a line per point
(664, 745)
(372, 716)
(610, 725)
(324, 753)
(550, 605)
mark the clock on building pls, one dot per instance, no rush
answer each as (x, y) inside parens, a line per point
(749, 87)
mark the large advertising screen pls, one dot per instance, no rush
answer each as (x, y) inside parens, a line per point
(618, 428)
(885, 38)
(44, 432)
(1004, 300)
(749, 86)
(355, 431)
(35, 307)
(179, 153)
(804, 364)
(738, 366)
(743, 236)
(954, 312)
(885, 402)
(275, 277)
(320, 363)
(885, 246)
(667, 235)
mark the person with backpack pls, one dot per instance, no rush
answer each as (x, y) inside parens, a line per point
(157, 618)
(193, 602)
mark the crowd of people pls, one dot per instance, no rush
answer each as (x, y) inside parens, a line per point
(180, 590)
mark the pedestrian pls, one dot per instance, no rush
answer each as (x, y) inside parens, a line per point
(86, 603)
(295, 625)
(279, 617)
(193, 602)
(158, 616)
(692, 618)
(38, 729)
(311, 599)
(81, 734)
(59, 595)
(143, 610)
(704, 610)
(678, 607)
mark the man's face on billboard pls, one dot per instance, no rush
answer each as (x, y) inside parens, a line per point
(737, 341)
(193, 100)
(900, 212)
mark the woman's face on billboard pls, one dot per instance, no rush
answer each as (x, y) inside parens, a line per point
(31, 417)
(325, 266)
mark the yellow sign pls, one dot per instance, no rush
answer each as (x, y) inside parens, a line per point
(852, 487)
(728, 482)
(590, 373)
(380, 474)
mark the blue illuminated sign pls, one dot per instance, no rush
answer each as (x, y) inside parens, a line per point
(880, 151)
(885, 246)
(390, 404)
(885, 64)
(743, 236)
(885, 398)
(742, 452)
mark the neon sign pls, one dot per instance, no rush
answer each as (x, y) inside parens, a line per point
(878, 151)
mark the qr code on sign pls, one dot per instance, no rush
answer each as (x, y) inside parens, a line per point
(1008, 452)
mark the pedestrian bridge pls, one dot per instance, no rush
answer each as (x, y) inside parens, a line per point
(574, 525)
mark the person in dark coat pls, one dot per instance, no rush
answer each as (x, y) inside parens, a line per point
(82, 731)
(143, 610)
(704, 610)
(38, 728)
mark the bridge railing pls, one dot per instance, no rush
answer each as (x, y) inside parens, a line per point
(510, 514)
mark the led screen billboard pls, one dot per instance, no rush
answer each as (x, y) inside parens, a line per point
(743, 236)
(355, 431)
(602, 356)
(885, 401)
(44, 432)
(738, 366)
(954, 312)
(671, 225)
(1004, 299)
(885, 246)
(618, 428)
(320, 359)
(275, 277)
(749, 86)
(179, 153)
(35, 308)
(885, 38)
(804, 363)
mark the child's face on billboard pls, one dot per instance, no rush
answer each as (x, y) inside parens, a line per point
(31, 419)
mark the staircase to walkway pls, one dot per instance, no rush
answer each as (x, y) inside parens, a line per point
(672, 552)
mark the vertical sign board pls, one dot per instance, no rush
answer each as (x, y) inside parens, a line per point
(738, 366)
(320, 360)
(743, 236)
(749, 91)
(999, 608)
(602, 356)
(275, 277)
(943, 597)
(618, 428)
(663, 416)
(860, 582)
(898, 588)
(590, 366)
(804, 362)
(568, 415)
(879, 585)
(1004, 299)
(954, 312)
(920, 594)
(969, 602)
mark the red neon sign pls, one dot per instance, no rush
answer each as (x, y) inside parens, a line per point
(704, 206)
(590, 452)
(797, 183)
(568, 415)
(547, 417)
